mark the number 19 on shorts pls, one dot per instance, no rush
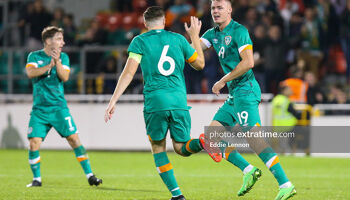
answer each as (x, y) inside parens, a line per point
(243, 116)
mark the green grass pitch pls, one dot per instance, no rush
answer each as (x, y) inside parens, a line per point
(133, 176)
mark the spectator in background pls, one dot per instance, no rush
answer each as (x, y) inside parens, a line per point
(165, 4)
(94, 35)
(287, 11)
(178, 14)
(337, 95)
(70, 30)
(311, 41)
(329, 21)
(314, 93)
(265, 6)
(345, 37)
(293, 5)
(294, 27)
(298, 86)
(58, 14)
(251, 19)
(205, 17)
(109, 67)
(240, 9)
(22, 24)
(259, 40)
(275, 53)
(212, 70)
(38, 19)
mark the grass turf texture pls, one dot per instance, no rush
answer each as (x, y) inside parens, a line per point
(133, 176)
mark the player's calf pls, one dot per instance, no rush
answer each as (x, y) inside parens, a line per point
(190, 147)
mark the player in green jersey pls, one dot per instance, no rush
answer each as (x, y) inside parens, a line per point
(49, 69)
(162, 55)
(234, 47)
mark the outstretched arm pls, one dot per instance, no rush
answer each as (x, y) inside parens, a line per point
(245, 65)
(123, 82)
(193, 31)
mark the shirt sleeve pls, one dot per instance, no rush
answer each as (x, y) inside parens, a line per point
(135, 46)
(206, 39)
(243, 40)
(31, 61)
(135, 56)
(189, 52)
(65, 61)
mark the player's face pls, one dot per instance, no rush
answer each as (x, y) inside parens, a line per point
(57, 41)
(221, 11)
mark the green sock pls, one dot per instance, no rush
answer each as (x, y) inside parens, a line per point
(166, 172)
(270, 158)
(235, 158)
(190, 147)
(34, 161)
(82, 157)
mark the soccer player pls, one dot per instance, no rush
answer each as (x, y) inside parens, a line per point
(234, 47)
(162, 55)
(49, 69)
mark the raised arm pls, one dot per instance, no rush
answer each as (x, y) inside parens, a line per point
(124, 80)
(62, 70)
(245, 65)
(193, 32)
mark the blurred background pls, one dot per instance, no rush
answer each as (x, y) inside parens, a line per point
(300, 44)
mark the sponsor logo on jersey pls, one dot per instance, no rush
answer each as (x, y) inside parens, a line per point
(215, 41)
(40, 62)
(228, 40)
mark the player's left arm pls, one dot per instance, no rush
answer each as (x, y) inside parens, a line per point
(124, 80)
(62, 65)
(244, 66)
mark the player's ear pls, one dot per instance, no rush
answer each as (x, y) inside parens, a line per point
(48, 41)
(229, 9)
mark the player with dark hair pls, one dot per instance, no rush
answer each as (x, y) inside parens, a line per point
(162, 55)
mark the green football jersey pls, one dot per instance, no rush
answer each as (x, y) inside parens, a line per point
(163, 60)
(48, 91)
(228, 44)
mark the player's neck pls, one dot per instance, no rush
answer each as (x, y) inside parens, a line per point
(47, 50)
(223, 25)
(156, 28)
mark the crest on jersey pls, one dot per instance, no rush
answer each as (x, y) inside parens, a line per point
(40, 62)
(228, 40)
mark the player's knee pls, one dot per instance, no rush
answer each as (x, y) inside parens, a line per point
(34, 144)
(73, 140)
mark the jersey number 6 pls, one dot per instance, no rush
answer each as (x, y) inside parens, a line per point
(164, 58)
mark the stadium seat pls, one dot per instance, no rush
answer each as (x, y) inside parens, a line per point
(129, 21)
(114, 21)
(103, 19)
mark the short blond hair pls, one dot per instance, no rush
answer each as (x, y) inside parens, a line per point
(230, 1)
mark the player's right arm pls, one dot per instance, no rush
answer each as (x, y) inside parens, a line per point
(32, 69)
(124, 80)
